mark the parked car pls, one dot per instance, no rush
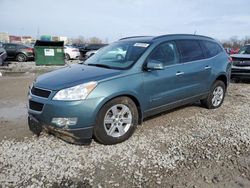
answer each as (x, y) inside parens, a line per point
(90, 53)
(71, 52)
(108, 98)
(241, 64)
(89, 47)
(3, 55)
(78, 46)
(19, 52)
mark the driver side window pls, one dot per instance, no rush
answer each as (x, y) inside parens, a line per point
(165, 53)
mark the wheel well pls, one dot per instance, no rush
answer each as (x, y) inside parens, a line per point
(223, 78)
(134, 99)
(138, 107)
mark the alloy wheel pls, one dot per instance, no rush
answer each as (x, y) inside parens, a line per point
(218, 95)
(117, 120)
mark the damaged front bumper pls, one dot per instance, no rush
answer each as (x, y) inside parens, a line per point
(74, 136)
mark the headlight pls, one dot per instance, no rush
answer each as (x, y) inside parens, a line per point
(78, 92)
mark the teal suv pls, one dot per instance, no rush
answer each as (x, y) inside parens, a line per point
(108, 95)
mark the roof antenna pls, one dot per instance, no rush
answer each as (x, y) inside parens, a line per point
(195, 32)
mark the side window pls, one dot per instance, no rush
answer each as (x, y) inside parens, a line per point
(165, 53)
(10, 46)
(211, 48)
(21, 46)
(248, 49)
(190, 50)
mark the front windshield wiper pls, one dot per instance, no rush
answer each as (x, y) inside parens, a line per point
(100, 65)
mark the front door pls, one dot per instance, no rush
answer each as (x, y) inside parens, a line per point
(162, 87)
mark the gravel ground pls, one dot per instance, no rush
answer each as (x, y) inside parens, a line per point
(186, 147)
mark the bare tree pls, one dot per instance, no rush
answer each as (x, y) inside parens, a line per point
(95, 40)
(79, 40)
(234, 42)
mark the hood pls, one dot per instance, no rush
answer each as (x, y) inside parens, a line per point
(73, 75)
(241, 56)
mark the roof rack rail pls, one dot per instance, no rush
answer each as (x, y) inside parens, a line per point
(161, 36)
(133, 37)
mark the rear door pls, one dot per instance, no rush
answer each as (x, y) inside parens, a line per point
(11, 50)
(195, 71)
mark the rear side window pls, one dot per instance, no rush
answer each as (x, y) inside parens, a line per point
(21, 46)
(10, 46)
(165, 53)
(211, 48)
(190, 50)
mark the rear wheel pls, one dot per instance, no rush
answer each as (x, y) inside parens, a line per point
(216, 95)
(67, 57)
(21, 58)
(116, 121)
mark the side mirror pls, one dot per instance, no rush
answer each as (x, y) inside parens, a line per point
(154, 65)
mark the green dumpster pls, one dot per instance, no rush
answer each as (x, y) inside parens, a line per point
(49, 53)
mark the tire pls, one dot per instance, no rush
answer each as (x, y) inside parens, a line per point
(21, 58)
(67, 57)
(216, 95)
(111, 127)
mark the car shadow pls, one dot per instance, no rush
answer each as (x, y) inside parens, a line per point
(240, 80)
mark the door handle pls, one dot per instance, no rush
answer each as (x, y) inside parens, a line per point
(207, 67)
(179, 73)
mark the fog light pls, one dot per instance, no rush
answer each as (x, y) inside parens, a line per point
(64, 122)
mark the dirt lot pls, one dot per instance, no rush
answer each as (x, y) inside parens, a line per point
(186, 147)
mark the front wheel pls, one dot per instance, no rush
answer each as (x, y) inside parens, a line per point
(216, 95)
(116, 121)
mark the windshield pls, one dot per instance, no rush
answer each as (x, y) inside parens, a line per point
(245, 50)
(118, 55)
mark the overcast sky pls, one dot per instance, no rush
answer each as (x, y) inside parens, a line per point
(112, 19)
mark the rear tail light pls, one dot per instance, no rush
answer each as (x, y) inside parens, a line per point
(76, 50)
(29, 50)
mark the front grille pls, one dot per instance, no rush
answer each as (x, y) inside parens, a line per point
(40, 92)
(241, 63)
(35, 106)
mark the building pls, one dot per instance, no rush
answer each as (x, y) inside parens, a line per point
(4, 37)
(65, 39)
(26, 39)
(60, 38)
(15, 39)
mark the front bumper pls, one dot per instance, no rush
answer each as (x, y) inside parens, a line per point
(42, 111)
(75, 136)
(240, 72)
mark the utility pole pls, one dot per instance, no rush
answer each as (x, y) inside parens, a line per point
(38, 33)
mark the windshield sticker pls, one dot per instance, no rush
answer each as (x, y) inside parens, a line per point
(143, 45)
